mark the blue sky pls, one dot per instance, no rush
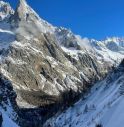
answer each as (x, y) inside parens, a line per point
(89, 18)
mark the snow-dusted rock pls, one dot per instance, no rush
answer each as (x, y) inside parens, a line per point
(33, 60)
(5, 10)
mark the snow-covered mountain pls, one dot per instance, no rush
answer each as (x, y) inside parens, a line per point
(42, 62)
(5, 11)
(109, 50)
(33, 59)
(102, 106)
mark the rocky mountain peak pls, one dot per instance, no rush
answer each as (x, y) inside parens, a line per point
(21, 11)
(28, 21)
(22, 4)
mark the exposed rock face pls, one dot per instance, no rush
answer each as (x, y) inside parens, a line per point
(41, 65)
(28, 22)
(66, 38)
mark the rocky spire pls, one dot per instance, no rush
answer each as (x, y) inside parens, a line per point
(22, 2)
(27, 19)
(22, 7)
(21, 10)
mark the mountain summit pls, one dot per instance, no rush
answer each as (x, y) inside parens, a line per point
(28, 22)
(21, 10)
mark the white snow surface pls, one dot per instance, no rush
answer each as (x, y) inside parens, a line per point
(103, 105)
(7, 121)
(110, 49)
(8, 116)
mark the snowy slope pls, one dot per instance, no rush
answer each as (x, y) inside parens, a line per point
(7, 120)
(110, 49)
(7, 103)
(103, 105)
